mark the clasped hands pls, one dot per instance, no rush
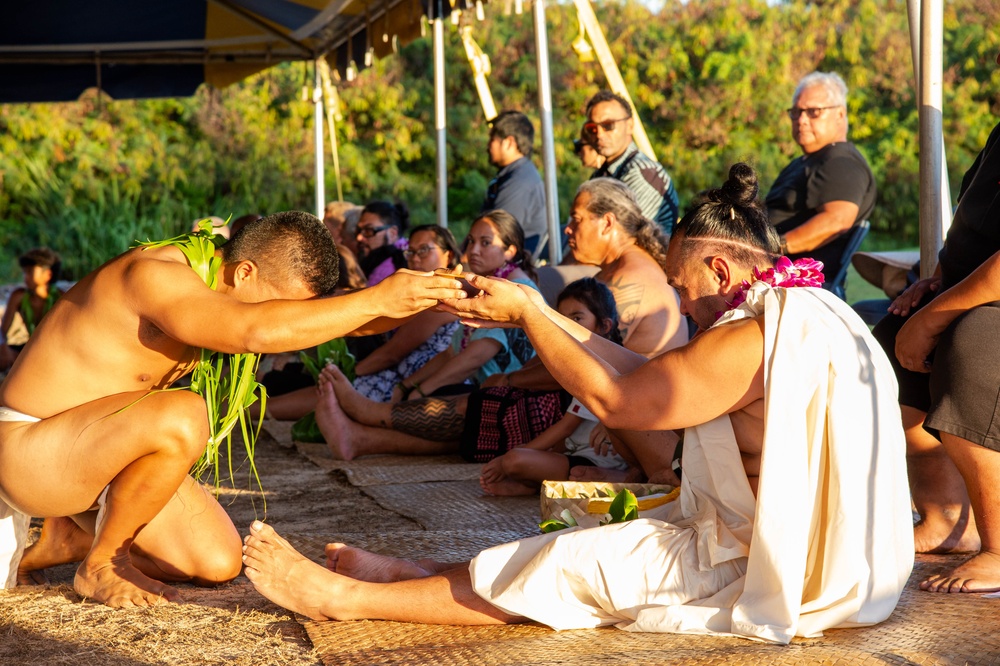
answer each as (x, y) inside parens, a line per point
(491, 302)
(480, 302)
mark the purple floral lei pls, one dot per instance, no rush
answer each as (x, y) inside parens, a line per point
(786, 273)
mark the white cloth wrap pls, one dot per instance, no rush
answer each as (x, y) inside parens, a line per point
(13, 523)
(828, 542)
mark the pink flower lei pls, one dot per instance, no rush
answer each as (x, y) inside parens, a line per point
(786, 273)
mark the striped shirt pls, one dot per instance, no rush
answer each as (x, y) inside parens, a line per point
(649, 181)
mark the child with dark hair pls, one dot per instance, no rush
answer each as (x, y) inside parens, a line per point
(41, 270)
(567, 443)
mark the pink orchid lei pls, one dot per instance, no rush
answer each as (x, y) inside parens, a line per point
(786, 273)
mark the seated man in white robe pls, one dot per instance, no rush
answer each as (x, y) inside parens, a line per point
(794, 512)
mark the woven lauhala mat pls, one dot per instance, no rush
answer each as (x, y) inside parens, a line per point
(924, 629)
(457, 505)
(378, 470)
(442, 471)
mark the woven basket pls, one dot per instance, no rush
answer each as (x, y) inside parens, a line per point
(574, 496)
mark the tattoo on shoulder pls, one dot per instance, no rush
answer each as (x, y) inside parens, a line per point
(628, 297)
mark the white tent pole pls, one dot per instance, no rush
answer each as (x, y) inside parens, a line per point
(440, 120)
(548, 145)
(331, 104)
(934, 212)
(913, 11)
(318, 142)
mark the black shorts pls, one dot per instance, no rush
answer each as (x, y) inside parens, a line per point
(961, 394)
(914, 387)
(965, 379)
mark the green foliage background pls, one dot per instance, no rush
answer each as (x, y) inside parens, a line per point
(710, 78)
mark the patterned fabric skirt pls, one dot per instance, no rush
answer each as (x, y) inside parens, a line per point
(378, 385)
(499, 418)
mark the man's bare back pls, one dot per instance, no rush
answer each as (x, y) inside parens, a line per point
(647, 305)
(95, 343)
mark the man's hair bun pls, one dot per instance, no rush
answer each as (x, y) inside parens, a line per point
(741, 188)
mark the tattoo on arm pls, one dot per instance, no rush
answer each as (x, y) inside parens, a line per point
(436, 419)
(628, 297)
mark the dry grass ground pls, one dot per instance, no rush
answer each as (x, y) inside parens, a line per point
(231, 624)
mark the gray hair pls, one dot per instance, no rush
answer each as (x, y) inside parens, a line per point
(835, 87)
(609, 195)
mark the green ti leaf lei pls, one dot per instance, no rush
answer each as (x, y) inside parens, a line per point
(228, 395)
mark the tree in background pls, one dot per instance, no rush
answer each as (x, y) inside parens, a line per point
(711, 80)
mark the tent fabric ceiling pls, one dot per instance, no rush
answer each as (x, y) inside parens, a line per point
(53, 51)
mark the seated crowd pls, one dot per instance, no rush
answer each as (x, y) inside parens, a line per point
(755, 416)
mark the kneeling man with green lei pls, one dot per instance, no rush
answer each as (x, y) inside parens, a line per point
(88, 439)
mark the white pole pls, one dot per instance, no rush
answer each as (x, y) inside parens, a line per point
(318, 142)
(548, 145)
(440, 120)
(933, 211)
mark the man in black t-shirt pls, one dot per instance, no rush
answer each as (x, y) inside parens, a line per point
(821, 195)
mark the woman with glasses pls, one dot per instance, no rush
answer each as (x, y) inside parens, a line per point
(416, 342)
(380, 239)
(494, 247)
(408, 348)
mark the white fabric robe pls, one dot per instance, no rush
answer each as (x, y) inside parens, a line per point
(827, 543)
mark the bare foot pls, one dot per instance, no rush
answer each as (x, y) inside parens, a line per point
(589, 473)
(371, 567)
(283, 575)
(354, 405)
(942, 533)
(336, 426)
(508, 487)
(119, 584)
(61, 541)
(666, 477)
(979, 574)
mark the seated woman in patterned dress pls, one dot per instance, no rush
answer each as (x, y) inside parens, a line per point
(410, 346)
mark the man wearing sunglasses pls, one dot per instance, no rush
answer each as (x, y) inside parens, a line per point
(517, 187)
(823, 193)
(609, 128)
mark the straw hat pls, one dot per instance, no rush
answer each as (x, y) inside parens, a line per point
(886, 269)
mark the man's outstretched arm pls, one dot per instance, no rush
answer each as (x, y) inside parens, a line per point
(191, 313)
(717, 373)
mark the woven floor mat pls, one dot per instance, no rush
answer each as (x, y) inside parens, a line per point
(457, 505)
(378, 470)
(925, 629)
(375, 476)
(440, 545)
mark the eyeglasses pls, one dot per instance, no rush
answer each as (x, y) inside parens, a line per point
(368, 232)
(607, 125)
(812, 112)
(421, 251)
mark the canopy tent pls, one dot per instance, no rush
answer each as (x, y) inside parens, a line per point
(53, 51)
